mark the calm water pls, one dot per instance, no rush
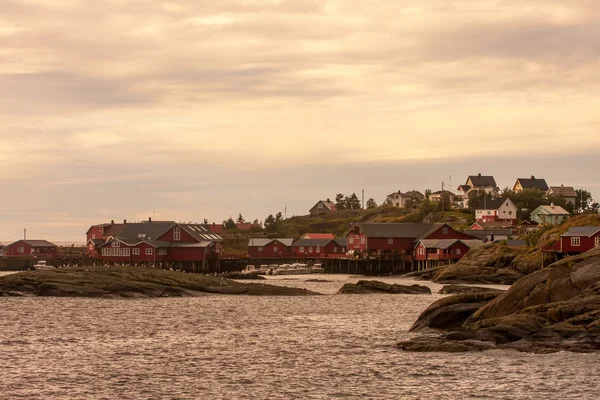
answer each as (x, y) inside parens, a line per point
(259, 348)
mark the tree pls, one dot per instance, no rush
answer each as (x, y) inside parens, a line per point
(428, 194)
(278, 217)
(595, 208)
(340, 202)
(506, 193)
(371, 203)
(352, 202)
(205, 222)
(583, 200)
(256, 222)
(240, 219)
(270, 223)
(229, 224)
(445, 203)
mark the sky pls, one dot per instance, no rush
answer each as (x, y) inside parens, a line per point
(185, 110)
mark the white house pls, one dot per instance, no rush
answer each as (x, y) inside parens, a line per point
(502, 210)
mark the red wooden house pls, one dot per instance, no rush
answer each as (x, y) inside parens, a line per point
(442, 249)
(320, 248)
(579, 239)
(160, 241)
(98, 234)
(31, 248)
(270, 248)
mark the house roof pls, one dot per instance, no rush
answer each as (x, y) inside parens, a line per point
(464, 188)
(260, 242)
(113, 229)
(342, 242)
(311, 242)
(533, 183)
(580, 231)
(145, 230)
(96, 241)
(200, 232)
(472, 242)
(96, 226)
(550, 210)
(35, 243)
(438, 243)
(331, 206)
(408, 230)
(492, 225)
(318, 236)
(494, 204)
(563, 191)
(482, 180)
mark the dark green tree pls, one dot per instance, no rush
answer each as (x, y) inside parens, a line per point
(340, 202)
(240, 219)
(371, 203)
(583, 200)
(229, 224)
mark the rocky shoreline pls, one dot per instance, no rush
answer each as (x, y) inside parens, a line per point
(131, 282)
(554, 309)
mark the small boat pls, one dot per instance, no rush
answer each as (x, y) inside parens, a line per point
(251, 269)
(317, 269)
(42, 265)
(295, 269)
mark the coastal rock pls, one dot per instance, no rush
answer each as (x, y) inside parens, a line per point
(554, 309)
(488, 264)
(451, 312)
(424, 275)
(242, 276)
(368, 287)
(460, 289)
(130, 282)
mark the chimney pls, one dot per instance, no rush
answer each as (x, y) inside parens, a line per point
(149, 219)
(532, 177)
(112, 221)
(124, 221)
(329, 201)
(479, 174)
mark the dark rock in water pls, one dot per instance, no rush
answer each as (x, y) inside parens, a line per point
(459, 289)
(424, 275)
(367, 287)
(241, 276)
(451, 312)
(554, 309)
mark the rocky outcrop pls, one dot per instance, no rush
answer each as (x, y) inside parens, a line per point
(556, 308)
(368, 287)
(129, 282)
(460, 289)
(488, 264)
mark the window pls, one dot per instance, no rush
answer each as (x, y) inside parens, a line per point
(335, 249)
(91, 247)
(275, 249)
(320, 205)
(162, 252)
(310, 249)
(301, 249)
(177, 233)
(575, 241)
(362, 240)
(104, 252)
(260, 249)
(458, 251)
(136, 251)
(390, 241)
(93, 236)
(343, 249)
(126, 252)
(444, 231)
(149, 251)
(597, 241)
(115, 244)
(351, 240)
(318, 249)
(489, 213)
(510, 213)
(21, 249)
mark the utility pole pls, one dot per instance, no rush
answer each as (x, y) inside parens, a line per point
(363, 199)
(442, 196)
(24, 233)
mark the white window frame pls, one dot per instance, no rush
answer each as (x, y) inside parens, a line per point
(149, 251)
(351, 240)
(93, 236)
(176, 233)
(457, 251)
(575, 241)
(320, 205)
(301, 249)
(310, 249)
(275, 249)
(318, 250)
(21, 249)
(136, 251)
(363, 240)
(335, 249)
(390, 241)
(115, 244)
(597, 241)
(261, 249)
(444, 231)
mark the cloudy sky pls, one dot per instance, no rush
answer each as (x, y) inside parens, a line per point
(203, 109)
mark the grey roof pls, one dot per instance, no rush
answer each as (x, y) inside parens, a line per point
(493, 204)
(581, 231)
(192, 245)
(408, 230)
(482, 181)
(472, 242)
(342, 242)
(533, 183)
(563, 191)
(36, 243)
(550, 210)
(150, 230)
(200, 232)
(465, 188)
(311, 242)
(96, 241)
(438, 243)
(516, 243)
(260, 242)
(326, 203)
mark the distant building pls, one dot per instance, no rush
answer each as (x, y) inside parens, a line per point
(475, 183)
(481, 226)
(579, 240)
(320, 248)
(530, 183)
(399, 199)
(32, 248)
(480, 182)
(270, 248)
(323, 207)
(549, 215)
(318, 236)
(497, 210)
(566, 192)
(437, 196)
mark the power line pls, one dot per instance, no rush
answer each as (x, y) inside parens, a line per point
(13, 235)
